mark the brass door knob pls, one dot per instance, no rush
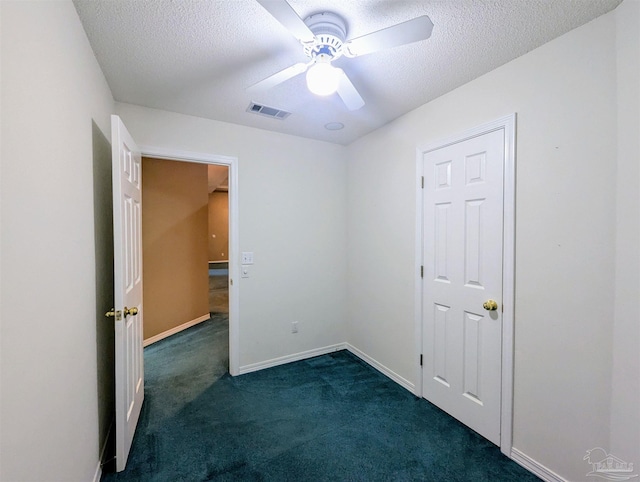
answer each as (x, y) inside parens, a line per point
(490, 305)
(130, 311)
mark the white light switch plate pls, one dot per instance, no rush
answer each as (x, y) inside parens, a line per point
(247, 257)
(244, 271)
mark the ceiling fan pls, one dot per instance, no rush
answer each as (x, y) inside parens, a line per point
(324, 39)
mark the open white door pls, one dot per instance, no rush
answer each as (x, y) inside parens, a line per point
(127, 210)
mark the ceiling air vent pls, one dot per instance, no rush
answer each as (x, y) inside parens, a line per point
(268, 111)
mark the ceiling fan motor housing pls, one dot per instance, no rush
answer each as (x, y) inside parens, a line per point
(330, 31)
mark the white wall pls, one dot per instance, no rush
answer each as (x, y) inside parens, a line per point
(52, 89)
(565, 96)
(625, 396)
(292, 193)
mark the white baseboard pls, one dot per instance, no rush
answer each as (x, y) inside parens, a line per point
(177, 329)
(403, 382)
(98, 473)
(253, 367)
(535, 467)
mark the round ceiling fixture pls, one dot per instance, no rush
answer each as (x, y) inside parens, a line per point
(334, 126)
(329, 31)
(322, 78)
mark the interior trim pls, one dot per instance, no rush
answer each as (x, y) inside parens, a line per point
(535, 467)
(403, 382)
(282, 360)
(175, 329)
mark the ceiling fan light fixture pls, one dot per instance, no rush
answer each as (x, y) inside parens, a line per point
(323, 78)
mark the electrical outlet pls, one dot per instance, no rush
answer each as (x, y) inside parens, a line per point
(247, 257)
(294, 327)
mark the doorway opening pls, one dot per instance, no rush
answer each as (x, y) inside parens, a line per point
(214, 265)
(185, 238)
(218, 239)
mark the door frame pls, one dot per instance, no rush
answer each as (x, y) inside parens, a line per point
(234, 236)
(508, 124)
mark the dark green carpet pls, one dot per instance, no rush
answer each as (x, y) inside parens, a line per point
(330, 418)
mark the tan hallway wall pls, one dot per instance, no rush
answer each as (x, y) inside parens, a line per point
(218, 226)
(174, 244)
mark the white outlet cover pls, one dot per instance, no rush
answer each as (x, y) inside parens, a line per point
(247, 257)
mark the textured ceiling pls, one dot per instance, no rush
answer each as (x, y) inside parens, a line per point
(197, 57)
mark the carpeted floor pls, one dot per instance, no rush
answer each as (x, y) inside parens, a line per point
(329, 418)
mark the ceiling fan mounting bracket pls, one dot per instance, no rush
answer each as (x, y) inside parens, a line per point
(330, 31)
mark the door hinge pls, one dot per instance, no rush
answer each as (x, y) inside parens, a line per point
(421, 359)
(422, 182)
(421, 271)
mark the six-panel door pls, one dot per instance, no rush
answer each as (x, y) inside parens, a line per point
(127, 223)
(462, 253)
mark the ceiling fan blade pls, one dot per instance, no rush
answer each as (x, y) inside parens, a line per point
(278, 78)
(287, 16)
(348, 92)
(403, 33)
